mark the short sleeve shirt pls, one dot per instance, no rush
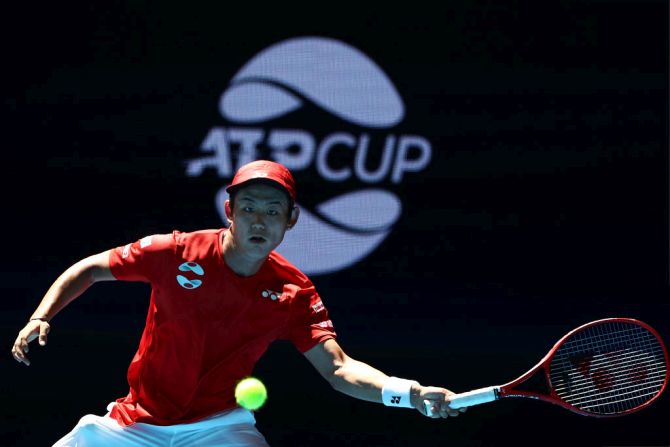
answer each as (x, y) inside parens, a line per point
(207, 326)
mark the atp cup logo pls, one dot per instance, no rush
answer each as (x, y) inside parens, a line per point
(344, 83)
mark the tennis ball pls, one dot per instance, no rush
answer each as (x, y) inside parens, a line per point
(250, 393)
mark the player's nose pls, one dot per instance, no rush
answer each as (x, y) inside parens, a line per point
(258, 222)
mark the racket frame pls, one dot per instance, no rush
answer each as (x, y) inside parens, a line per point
(509, 389)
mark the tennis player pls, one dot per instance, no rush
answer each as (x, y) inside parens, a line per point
(218, 299)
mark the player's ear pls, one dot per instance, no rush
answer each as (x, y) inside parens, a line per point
(229, 211)
(293, 219)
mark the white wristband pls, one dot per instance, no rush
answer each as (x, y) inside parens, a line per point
(395, 392)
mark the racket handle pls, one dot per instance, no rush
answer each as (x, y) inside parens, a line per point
(467, 399)
(474, 397)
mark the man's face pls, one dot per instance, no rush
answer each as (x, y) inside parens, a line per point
(259, 218)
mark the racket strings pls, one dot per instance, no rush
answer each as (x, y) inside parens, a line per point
(609, 368)
(637, 365)
(621, 381)
(588, 397)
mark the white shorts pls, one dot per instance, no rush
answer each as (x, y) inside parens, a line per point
(235, 427)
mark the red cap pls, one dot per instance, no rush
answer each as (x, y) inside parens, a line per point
(264, 170)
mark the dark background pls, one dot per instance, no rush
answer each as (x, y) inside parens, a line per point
(545, 205)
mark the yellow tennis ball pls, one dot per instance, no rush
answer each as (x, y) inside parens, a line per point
(250, 393)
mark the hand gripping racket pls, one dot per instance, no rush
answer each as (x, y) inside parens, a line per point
(604, 368)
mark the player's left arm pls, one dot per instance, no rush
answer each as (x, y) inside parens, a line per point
(362, 381)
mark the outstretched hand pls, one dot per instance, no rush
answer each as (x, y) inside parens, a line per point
(32, 330)
(438, 399)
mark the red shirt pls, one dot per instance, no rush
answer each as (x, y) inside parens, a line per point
(207, 326)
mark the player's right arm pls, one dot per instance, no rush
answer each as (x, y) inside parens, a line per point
(70, 284)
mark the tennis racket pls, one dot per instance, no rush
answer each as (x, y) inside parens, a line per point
(604, 368)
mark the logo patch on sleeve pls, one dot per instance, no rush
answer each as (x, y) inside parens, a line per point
(145, 241)
(126, 251)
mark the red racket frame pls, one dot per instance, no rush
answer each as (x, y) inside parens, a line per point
(509, 389)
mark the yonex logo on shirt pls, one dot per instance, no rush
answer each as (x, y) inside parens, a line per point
(190, 283)
(326, 324)
(267, 293)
